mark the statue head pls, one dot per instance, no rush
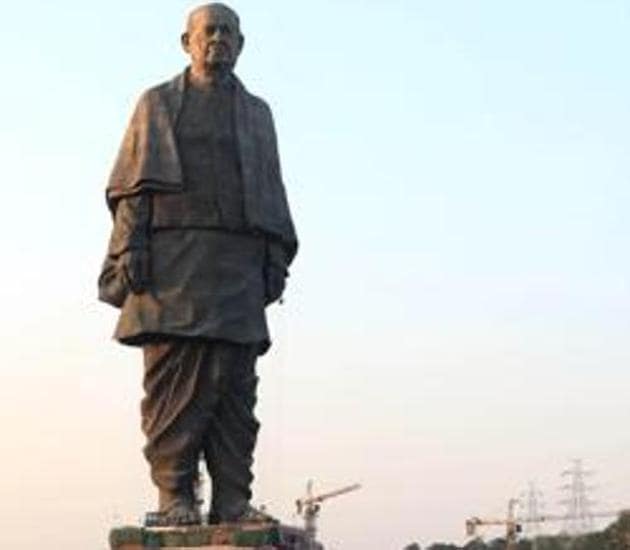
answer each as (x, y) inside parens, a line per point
(213, 38)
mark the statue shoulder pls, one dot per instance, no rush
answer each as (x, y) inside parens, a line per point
(261, 113)
(170, 86)
(167, 94)
(254, 101)
(257, 102)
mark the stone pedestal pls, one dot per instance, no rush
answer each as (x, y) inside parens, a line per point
(255, 536)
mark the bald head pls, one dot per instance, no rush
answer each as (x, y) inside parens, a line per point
(215, 8)
(213, 38)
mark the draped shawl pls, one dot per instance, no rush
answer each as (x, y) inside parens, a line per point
(148, 159)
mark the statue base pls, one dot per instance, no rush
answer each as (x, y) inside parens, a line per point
(242, 536)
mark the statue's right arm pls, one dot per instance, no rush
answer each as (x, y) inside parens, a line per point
(127, 265)
(133, 222)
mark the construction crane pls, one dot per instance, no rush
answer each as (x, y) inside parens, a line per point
(513, 524)
(310, 505)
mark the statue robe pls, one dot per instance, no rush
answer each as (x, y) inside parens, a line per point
(149, 159)
(207, 268)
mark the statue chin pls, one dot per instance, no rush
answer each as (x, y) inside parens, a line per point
(219, 63)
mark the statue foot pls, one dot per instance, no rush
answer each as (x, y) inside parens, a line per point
(180, 514)
(249, 515)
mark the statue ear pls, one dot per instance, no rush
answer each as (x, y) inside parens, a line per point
(185, 40)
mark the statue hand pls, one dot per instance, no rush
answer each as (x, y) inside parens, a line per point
(275, 281)
(136, 266)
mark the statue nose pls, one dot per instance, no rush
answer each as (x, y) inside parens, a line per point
(218, 34)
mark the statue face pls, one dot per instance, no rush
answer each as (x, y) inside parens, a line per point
(213, 38)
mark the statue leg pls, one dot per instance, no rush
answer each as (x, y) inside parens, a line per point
(231, 436)
(178, 403)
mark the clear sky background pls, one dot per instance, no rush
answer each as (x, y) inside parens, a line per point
(458, 316)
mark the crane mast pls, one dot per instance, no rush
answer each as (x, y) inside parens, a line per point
(310, 505)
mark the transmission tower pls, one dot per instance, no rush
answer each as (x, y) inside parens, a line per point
(532, 506)
(579, 517)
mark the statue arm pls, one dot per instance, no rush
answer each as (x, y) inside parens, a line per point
(283, 251)
(127, 264)
(277, 255)
(280, 249)
(132, 224)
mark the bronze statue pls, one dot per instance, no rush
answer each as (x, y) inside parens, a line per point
(201, 243)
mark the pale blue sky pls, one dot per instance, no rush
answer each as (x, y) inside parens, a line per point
(457, 319)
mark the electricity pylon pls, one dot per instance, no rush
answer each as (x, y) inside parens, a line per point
(532, 506)
(578, 504)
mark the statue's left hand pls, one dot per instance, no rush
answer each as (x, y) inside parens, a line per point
(275, 281)
(276, 271)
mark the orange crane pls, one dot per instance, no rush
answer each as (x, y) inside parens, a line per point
(310, 505)
(513, 524)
